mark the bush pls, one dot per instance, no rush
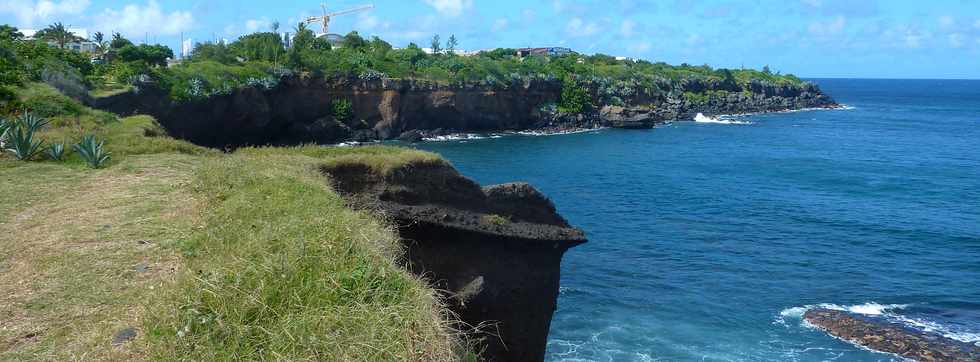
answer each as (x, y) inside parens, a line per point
(55, 151)
(574, 97)
(342, 110)
(65, 79)
(20, 138)
(92, 151)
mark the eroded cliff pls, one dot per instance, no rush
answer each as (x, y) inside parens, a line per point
(496, 250)
(298, 110)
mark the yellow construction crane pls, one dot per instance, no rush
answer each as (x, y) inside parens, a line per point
(325, 19)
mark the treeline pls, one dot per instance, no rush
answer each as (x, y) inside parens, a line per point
(261, 59)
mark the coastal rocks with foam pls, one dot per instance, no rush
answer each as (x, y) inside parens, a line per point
(879, 334)
(496, 250)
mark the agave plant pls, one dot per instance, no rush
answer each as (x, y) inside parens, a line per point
(31, 122)
(55, 151)
(92, 151)
(4, 127)
(21, 143)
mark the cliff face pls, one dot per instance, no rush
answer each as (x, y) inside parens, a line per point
(495, 250)
(298, 110)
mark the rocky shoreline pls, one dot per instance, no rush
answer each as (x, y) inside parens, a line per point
(884, 336)
(298, 110)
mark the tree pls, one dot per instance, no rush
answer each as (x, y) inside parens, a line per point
(118, 41)
(304, 40)
(258, 46)
(304, 37)
(149, 54)
(436, 44)
(275, 26)
(500, 53)
(353, 40)
(10, 33)
(451, 44)
(101, 45)
(58, 34)
(765, 69)
(379, 48)
(574, 98)
(217, 52)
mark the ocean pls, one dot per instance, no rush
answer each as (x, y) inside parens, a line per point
(709, 239)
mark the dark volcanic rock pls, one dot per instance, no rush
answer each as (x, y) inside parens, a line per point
(412, 136)
(298, 109)
(124, 336)
(497, 250)
(882, 335)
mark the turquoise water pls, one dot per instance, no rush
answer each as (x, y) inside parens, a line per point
(709, 240)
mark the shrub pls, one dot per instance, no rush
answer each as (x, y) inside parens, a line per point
(342, 110)
(574, 97)
(55, 151)
(19, 139)
(92, 151)
(65, 79)
(44, 101)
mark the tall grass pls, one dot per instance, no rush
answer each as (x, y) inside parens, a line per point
(283, 270)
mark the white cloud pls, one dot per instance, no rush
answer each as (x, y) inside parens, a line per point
(450, 8)
(695, 39)
(956, 40)
(35, 13)
(913, 40)
(627, 28)
(946, 21)
(639, 47)
(134, 19)
(579, 28)
(500, 24)
(827, 28)
(367, 22)
(254, 25)
(976, 24)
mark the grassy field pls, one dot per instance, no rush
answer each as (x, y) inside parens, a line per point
(175, 252)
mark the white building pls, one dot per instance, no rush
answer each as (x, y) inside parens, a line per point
(81, 46)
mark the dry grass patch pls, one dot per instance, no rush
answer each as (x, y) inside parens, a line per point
(82, 252)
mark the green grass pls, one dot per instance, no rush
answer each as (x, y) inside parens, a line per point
(380, 159)
(250, 256)
(283, 270)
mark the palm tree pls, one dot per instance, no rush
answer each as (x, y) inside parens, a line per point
(100, 43)
(59, 34)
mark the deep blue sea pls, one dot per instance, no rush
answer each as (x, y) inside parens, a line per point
(709, 240)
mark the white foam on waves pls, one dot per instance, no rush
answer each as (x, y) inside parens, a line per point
(701, 118)
(461, 137)
(886, 311)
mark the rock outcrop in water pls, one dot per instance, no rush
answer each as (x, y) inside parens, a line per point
(298, 110)
(884, 336)
(497, 250)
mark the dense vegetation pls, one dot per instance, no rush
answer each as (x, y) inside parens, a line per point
(262, 59)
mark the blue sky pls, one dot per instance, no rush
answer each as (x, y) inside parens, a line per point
(811, 38)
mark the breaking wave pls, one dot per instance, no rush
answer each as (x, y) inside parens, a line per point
(701, 118)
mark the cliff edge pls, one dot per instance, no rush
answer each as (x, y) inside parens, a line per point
(298, 109)
(496, 250)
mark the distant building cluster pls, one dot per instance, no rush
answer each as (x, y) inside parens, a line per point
(83, 45)
(549, 51)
